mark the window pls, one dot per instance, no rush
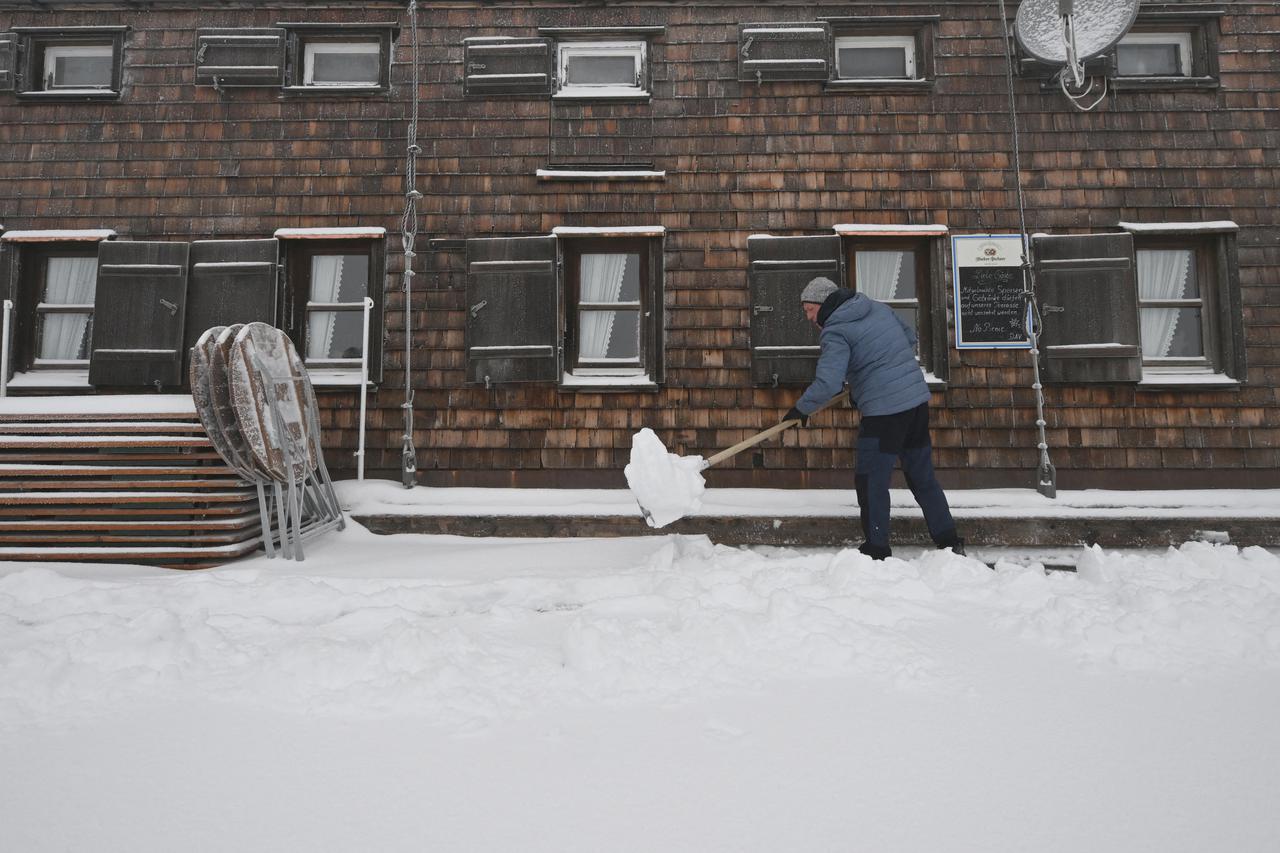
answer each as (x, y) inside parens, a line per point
(607, 282)
(887, 57)
(342, 63)
(328, 283)
(64, 314)
(1154, 55)
(76, 62)
(581, 307)
(78, 66)
(1174, 307)
(894, 271)
(607, 69)
(337, 59)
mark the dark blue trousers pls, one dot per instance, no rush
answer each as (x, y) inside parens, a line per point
(883, 440)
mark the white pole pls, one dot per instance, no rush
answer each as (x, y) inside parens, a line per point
(364, 386)
(4, 349)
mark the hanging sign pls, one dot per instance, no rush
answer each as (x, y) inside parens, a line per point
(990, 310)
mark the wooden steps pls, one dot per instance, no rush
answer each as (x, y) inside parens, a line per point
(108, 486)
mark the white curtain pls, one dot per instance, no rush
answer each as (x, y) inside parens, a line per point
(326, 280)
(1162, 274)
(877, 273)
(602, 277)
(70, 281)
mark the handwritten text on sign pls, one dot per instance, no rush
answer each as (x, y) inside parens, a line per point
(989, 307)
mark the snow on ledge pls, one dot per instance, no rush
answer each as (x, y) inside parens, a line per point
(1179, 227)
(64, 379)
(614, 231)
(330, 233)
(854, 230)
(98, 404)
(624, 382)
(1157, 380)
(601, 175)
(84, 234)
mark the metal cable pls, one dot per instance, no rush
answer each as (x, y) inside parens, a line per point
(1046, 475)
(408, 233)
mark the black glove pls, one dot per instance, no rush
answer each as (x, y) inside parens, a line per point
(795, 414)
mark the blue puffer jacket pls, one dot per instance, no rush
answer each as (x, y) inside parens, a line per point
(865, 344)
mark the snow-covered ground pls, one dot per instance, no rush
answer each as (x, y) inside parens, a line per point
(647, 694)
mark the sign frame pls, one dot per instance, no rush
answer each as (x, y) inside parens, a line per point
(965, 249)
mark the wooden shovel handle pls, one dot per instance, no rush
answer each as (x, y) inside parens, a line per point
(769, 433)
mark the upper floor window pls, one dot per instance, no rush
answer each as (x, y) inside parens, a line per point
(62, 62)
(881, 57)
(1155, 54)
(342, 63)
(601, 69)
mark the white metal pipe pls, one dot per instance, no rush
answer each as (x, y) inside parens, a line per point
(364, 386)
(4, 348)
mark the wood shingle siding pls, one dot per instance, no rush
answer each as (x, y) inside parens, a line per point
(173, 160)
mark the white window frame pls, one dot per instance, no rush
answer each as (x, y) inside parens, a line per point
(53, 52)
(1183, 40)
(906, 42)
(637, 50)
(311, 48)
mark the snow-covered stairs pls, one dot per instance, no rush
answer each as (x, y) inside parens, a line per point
(120, 486)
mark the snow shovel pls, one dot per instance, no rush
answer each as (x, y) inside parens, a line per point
(667, 486)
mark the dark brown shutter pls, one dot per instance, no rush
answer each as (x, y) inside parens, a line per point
(784, 345)
(232, 281)
(240, 57)
(513, 310)
(138, 314)
(507, 67)
(1087, 289)
(792, 51)
(8, 61)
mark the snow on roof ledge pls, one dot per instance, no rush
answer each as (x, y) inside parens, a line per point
(615, 231)
(329, 233)
(1179, 227)
(85, 234)
(887, 230)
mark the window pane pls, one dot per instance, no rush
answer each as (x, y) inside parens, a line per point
(885, 275)
(1172, 333)
(70, 281)
(609, 334)
(1148, 60)
(79, 66)
(909, 316)
(600, 70)
(862, 62)
(609, 277)
(1167, 274)
(337, 278)
(65, 336)
(338, 64)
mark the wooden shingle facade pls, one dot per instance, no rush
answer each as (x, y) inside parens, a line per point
(703, 159)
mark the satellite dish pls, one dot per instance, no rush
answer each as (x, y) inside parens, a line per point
(1060, 32)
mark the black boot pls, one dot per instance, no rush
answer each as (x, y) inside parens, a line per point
(956, 544)
(875, 552)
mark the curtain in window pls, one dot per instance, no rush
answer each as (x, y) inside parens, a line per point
(602, 277)
(326, 282)
(70, 281)
(877, 273)
(1162, 274)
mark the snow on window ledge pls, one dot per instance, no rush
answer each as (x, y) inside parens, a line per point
(606, 382)
(1156, 378)
(334, 378)
(601, 175)
(337, 233)
(1218, 227)
(88, 235)
(62, 380)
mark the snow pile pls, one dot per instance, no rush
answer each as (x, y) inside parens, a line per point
(472, 630)
(667, 487)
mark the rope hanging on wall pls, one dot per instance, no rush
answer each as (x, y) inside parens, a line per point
(408, 233)
(1046, 474)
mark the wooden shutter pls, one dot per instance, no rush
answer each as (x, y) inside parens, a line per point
(507, 67)
(513, 310)
(231, 281)
(138, 314)
(795, 51)
(240, 57)
(784, 345)
(1087, 289)
(8, 61)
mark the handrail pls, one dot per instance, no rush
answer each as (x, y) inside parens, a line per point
(4, 348)
(364, 387)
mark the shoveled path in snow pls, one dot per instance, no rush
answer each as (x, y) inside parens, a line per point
(411, 693)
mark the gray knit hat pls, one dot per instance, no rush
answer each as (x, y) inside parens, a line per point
(818, 290)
